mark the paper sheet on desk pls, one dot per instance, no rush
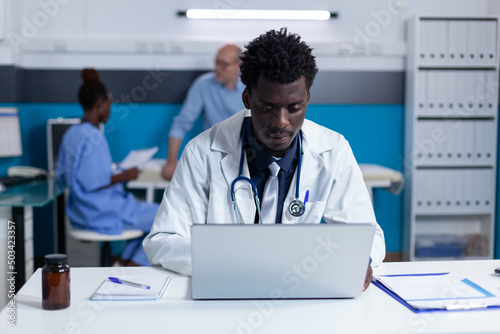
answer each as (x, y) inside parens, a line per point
(112, 291)
(138, 158)
(439, 291)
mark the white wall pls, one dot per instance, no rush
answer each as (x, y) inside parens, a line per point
(367, 35)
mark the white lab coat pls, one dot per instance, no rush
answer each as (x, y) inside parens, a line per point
(200, 190)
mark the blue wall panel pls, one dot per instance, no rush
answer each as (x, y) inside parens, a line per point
(375, 134)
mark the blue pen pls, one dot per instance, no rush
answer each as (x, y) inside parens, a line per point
(306, 198)
(135, 285)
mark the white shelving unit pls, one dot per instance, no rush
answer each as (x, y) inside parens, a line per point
(451, 121)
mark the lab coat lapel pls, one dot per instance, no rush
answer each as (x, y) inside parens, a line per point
(229, 141)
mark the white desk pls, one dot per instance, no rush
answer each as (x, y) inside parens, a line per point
(375, 176)
(150, 180)
(373, 312)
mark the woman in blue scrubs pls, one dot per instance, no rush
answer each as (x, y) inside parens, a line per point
(97, 201)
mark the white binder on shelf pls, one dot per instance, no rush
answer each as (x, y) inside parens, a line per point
(482, 43)
(441, 187)
(481, 94)
(491, 37)
(467, 141)
(424, 42)
(433, 41)
(464, 177)
(464, 42)
(424, 191)
(432, 92)
(490, 87)
(479, 142)
(432, 191)
(465, 137)
(470, 101)
(449, 93)
(430, 143)
(482, 48)
(452, 142)
(484, 145)
(425, 145)
(482, 142)
(460, 89)
(483, 190)
(458, 41)
(420, 156)
(442, 42)
(491, 147)
(488, 192)
(418, 193)
(473, 42)
(442, 83)
(456, 192)
(479, 190)
(453, 42)
(421, 95)
(440, 139)
(446, 193)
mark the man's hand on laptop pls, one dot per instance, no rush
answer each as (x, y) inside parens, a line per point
(368, 278)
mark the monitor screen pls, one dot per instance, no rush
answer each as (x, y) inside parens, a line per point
(10, 133)
(55, 132)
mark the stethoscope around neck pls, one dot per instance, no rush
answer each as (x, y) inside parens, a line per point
(296, 207)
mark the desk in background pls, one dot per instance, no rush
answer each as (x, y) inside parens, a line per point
(150, 179)
(16, 204)
(176, 312)
(375, 176)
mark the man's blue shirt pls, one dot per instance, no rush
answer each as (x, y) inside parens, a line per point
(210, 97)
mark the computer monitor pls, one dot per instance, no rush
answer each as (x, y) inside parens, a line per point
(10, 133)
(55, 132)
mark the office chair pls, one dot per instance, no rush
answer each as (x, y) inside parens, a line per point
(90, 236)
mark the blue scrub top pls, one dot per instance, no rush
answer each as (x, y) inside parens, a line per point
(85, 165)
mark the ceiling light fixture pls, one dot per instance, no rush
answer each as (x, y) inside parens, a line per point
(257, 14)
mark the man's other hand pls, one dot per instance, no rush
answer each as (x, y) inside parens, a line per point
(168, 170)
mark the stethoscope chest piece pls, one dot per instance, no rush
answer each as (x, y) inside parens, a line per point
(296, 208)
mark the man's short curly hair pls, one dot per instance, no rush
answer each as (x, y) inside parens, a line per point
(278, 56)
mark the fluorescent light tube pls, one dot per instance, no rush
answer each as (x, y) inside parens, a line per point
(256, 14)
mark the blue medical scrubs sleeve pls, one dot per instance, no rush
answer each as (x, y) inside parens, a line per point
(95, 156)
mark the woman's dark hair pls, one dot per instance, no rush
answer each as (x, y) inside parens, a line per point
(278, 57)
(92, 89)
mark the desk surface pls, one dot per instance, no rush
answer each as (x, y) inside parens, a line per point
(373, 312)
(374, 175)
(37, 193)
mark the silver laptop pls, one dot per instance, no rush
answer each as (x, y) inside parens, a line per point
(279, 261)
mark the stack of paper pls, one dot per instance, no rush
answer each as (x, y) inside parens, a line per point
(113, 291)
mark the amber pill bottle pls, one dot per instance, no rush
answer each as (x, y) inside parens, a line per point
(55, 282)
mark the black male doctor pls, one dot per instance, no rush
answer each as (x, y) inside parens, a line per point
(317, 167)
